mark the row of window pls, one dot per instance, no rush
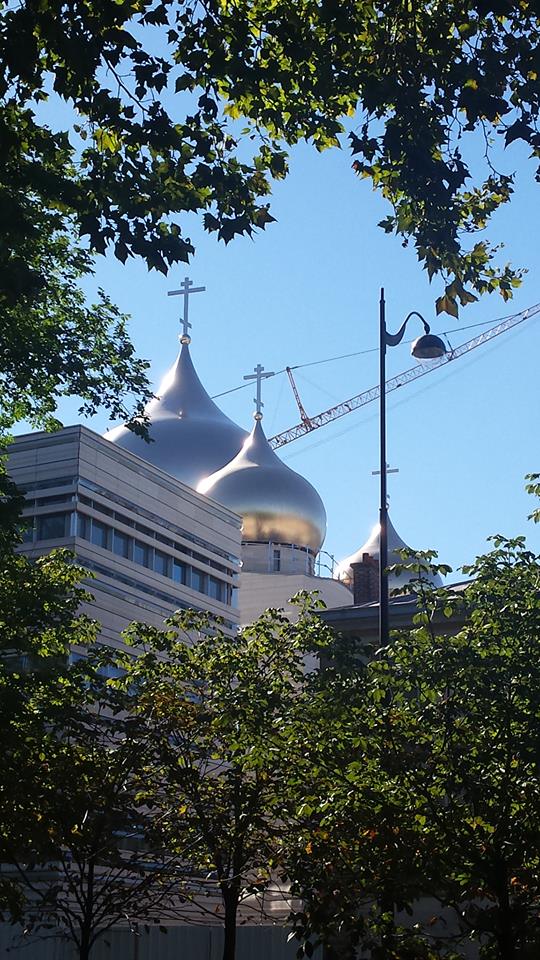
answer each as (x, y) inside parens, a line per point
(154, 534)
(141, 511)
(115, 574)
(122, 578)
(56, 526)
(133, 508)
(115, 515)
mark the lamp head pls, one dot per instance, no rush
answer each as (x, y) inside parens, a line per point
(428, 347)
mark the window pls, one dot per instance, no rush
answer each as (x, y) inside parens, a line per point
(98, 534)
(162, 539)
(120, 543)
(115, 498)
(26, 529)
(215, 588)
(277, 561)
(198, 580)
(83, 526)
(161, 563)
(52, 527)
(142, 529)
(179, 571)
(141, 553)
(61, 498)
(46, 484)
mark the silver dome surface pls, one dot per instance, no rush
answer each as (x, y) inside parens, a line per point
(191, 436)
(277, 504)
(344, 570)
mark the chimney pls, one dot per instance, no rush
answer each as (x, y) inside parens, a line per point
(365, 580)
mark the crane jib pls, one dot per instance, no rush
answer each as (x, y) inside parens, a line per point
(308, 424)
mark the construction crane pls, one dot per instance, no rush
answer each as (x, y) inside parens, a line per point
(308, 424)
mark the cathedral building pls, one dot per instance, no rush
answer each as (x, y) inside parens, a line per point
(202, 514)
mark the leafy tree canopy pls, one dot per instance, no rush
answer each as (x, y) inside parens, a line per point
(55, 344)
(438, 799)
(222, 716)
(72, 824)
(157, 86)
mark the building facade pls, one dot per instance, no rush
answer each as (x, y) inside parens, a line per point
(152, 544)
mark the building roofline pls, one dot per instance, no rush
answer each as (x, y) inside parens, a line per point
(118, 453)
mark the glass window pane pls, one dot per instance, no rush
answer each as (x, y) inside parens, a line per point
(198, 580)
(141, 553)
(99, 534)
(179, 571)
(215, 588)
(120, 543)
(83, 526)
(163, 539)
(52, 527)
(161, 563)
(146, 530)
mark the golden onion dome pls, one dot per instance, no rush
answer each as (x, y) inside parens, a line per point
(190, 436)
(277, 504)
(344, 571)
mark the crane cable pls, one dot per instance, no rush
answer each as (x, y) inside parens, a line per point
(413, 373)
(308, 424)
(346, 356)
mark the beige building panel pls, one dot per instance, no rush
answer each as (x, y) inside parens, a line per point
(261, 590)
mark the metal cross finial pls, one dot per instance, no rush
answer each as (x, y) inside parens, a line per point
(186, 288)
(258, 376)
(389, 469)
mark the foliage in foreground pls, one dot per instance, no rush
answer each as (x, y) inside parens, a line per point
(72, 827)
(53, 344)
(193, 771)
(438, 799)
(156, 88)
(222, 716)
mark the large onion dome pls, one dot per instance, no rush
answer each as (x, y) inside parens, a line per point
(277, 504)
(344, 571)
(191, 437)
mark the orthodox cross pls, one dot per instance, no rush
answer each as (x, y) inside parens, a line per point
(389, 469)
(259, 375)
(186, 288)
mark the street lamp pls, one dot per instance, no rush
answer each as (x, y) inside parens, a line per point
(426, 347)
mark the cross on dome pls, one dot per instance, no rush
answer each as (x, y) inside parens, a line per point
(259, 375)
(389, 469)
(186, 288)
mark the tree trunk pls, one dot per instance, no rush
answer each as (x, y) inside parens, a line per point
(85, 947)
(86, 944)
(230, 900)
(506, 939)
(506, 936)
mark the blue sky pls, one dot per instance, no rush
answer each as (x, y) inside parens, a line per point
(307, 289)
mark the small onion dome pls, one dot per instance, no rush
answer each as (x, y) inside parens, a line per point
(344, 570)
(277, 504)
(190, 435)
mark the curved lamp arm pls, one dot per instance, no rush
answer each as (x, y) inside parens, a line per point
(392, 339)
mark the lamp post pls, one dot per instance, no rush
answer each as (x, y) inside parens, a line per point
(426, 347)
